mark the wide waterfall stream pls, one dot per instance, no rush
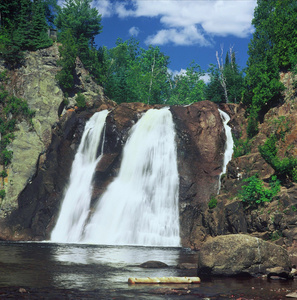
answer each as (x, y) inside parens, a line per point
(140, 207)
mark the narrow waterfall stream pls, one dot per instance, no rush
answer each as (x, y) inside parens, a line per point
(228, 145)
(140, 207)
(76, 204)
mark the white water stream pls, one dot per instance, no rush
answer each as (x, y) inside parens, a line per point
(140, 207)
(228, 145)
(76, 204)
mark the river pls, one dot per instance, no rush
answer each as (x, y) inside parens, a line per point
(77, 271)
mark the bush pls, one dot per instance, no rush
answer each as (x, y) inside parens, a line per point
(6, 157)
(241, 147)
(212, 203)
(254, 193)
(80, 100)
(284, 168)
(2, 194)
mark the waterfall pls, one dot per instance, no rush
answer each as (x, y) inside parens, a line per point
(140, 207)
(76, 204)
(228, 145)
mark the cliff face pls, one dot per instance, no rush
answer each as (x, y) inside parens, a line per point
(35, 82)
(43, 156)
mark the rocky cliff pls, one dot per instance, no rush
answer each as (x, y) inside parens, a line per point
(43, 156)
(42, 159)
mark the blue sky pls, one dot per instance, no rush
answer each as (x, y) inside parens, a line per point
(185, 30)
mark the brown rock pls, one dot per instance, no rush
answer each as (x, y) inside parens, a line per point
(239, 254)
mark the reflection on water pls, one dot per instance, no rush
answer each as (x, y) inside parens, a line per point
(102, 271)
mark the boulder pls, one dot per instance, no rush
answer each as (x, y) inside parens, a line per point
(153, 264)
(240, 254)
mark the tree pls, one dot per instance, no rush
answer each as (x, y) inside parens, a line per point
(68, 54)
(226, 80)
(154, 66)
(272, 48)
(83, 21)
(188, 87)
(37, 36)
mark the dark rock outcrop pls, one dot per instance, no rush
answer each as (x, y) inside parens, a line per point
(200, 143)
(238, 254)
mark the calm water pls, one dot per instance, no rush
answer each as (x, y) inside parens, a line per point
(58, 271)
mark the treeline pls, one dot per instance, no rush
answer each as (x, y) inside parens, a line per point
(24, 26)
(130, 73)
(127, 72)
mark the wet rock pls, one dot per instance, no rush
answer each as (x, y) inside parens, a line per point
(279, 272)
(240, 254)
(187, 266)
(153, 264)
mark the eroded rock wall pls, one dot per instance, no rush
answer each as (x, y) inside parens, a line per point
(200, 144)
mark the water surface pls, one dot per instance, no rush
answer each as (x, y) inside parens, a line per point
(74, 271)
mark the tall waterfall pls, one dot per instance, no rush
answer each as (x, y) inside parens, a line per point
(76, 204)
(140, 207)
(228, 145)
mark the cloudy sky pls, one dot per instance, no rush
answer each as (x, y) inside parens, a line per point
(185, 30)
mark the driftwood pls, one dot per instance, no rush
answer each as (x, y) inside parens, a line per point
(133, 280)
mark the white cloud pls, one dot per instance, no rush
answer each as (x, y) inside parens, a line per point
(181, 19)
(176, 72)
(185, 36)
(206, 78)
(104, 7)
(134, 31)
(173, 73)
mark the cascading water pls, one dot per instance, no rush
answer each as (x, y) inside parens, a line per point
(140, 207)
(76, 204)
(228, 145)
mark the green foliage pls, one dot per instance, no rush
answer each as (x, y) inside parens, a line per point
(276, 235)
(3, 174)
(272, 48)
(285, 168)
(24, 27)
(80, 100)
(212, 203)
(189, 87)
(241, 147)
(68, 52)
(6, 157)
(11, 109)
(78, 24)
(225, 81)
(255, 193)
(2, 194)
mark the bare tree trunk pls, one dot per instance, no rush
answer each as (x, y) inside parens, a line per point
(151, 81)
(222, 77)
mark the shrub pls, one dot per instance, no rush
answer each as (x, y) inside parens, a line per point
(2, 194)
(241, 147)
(212, 202)
(80, 100)
(3, 174)
(284, 168)
(254, 193)
(6, 157)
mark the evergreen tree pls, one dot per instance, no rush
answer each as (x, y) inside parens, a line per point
(226, 81)
(262, 77)
(37, 36)
(68, 53)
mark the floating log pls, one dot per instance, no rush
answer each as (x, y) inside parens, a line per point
(133, 280)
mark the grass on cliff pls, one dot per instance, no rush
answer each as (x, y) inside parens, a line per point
(12, 110)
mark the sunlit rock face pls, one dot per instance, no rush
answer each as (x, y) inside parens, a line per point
(239, 254)
(200, 141)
